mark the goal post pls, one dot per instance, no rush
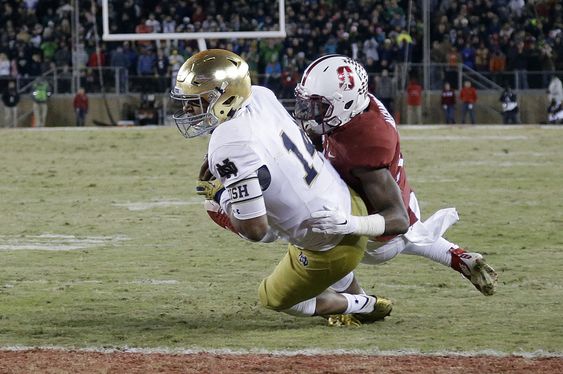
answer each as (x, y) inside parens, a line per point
(200, 36)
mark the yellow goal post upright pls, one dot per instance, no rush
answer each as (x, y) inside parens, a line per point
(199, 36)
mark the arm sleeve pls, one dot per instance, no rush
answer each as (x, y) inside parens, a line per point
(235, 165)
(246, 198)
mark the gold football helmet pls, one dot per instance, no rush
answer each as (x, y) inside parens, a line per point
(211, 85)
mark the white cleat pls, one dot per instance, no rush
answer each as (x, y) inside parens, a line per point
(474, 267)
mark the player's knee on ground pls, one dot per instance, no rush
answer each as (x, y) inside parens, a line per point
(271, 300)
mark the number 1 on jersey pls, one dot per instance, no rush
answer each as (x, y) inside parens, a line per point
(310, 172)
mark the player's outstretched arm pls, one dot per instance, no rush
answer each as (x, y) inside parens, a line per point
(385, 197)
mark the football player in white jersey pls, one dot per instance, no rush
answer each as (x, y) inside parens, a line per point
(274, 180)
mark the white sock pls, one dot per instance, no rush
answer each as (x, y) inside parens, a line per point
(359, 303)
(303, 309)
(343, 283)
(437, 251)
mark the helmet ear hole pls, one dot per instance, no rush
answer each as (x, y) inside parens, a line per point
(229, 100)
(348, 104)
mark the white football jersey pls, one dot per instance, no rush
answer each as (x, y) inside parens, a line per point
(263, 134)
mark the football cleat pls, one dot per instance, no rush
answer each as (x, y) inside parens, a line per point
(474, 267)
(382, 309)
(337, 320)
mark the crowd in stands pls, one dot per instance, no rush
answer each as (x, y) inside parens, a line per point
(491, 36)
(497, 36)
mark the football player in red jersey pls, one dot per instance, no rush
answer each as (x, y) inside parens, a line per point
(360, 138)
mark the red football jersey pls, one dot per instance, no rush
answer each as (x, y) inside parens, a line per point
(369, 140)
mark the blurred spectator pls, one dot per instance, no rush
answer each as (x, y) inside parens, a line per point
(40, 94)
(121, 62)
(5, 66)
(148, 112)
(272, 74)
(96, 58)
(555, 90)
(437, 56)
(143, 28)
(168, 24)
(482, 58)
(11, 98)
(509, 103)
(153, 24)
(49, 47)
(175, 62)
(146, 63)
(80, 104)
(133, 57)
(162, 70)
(468, 97)
(385, 90)
(547, 59)
(289, 79)
(301, 62)
(414, 102)
(90, 81)
(555, 113)
(370, 49)
(518, 59)
(448, 103)
(452, 60)
(35, 67)
(22, 63)
(497, 65)
(64, 79)
(62, 56)
(371, 66)
(468, 56)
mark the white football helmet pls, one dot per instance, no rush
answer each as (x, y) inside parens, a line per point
(334, 89)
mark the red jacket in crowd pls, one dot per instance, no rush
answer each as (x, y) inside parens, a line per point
(81, 102)
(468, 95)
(414, 94)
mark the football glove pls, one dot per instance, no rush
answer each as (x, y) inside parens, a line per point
(333, 222)
(337, 222)
(212, 189)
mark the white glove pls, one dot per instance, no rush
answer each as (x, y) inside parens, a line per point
(336, 222)
(333, 222)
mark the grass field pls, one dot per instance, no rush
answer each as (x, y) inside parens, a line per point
(103, 243)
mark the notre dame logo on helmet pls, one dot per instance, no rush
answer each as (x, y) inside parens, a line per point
(227, 169)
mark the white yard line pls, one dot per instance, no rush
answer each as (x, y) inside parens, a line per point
(145, 205)
(463, 137)
(306, 352)
(56, 242)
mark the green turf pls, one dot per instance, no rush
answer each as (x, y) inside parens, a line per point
(168, 277)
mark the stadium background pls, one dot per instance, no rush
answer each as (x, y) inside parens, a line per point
(492, 43)
(107, 259)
